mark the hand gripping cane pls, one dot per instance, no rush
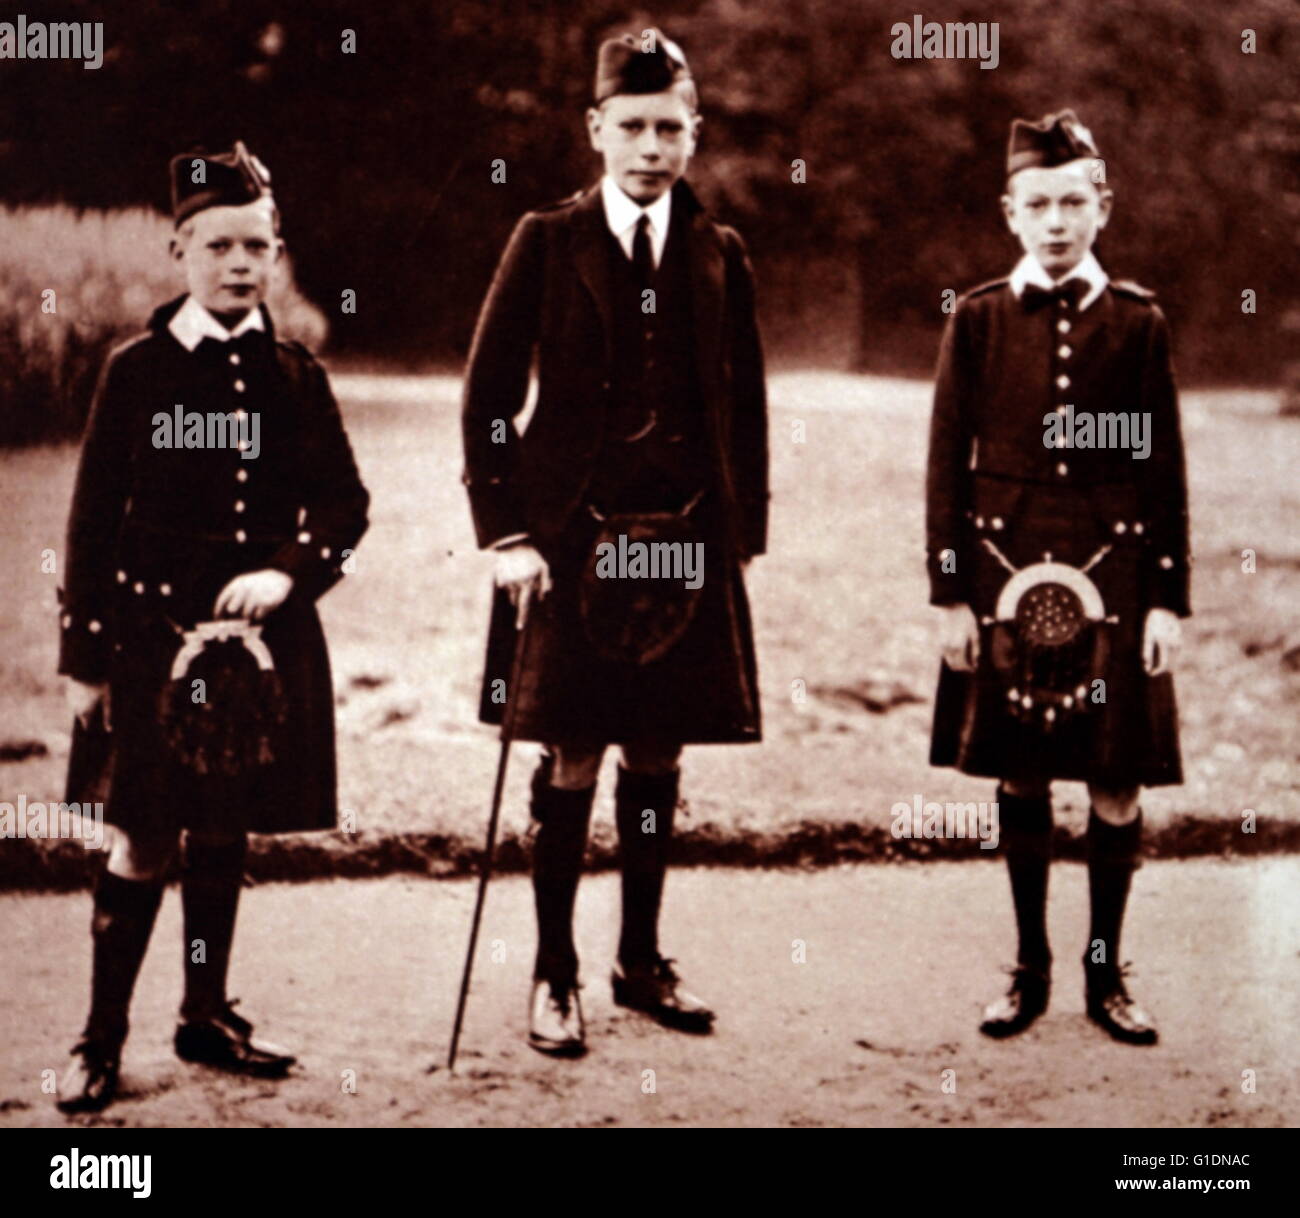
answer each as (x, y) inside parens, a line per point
(485, 868)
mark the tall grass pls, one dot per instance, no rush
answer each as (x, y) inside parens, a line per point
(74, 284)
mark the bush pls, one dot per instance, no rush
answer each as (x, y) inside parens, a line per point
(73, 285)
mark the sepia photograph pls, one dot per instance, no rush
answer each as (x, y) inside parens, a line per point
(724, 565)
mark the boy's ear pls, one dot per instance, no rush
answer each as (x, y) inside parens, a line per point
(1009, 211)
(175, 250)
(594, 122)
(279, 248)
(1104, 205)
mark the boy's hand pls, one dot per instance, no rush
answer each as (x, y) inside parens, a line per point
(1161, 639)
(522, 572)
(959, 637)
(253, 595)
(83, 698)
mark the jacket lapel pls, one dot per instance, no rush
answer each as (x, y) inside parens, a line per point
(591, 255)
(708, 290)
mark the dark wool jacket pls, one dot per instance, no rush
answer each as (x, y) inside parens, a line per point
(552, 295)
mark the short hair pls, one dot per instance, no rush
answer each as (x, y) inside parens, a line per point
(185, 229)
(1101, 186)
(684, 88)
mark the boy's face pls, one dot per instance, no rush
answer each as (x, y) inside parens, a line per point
(646, 140)
(1057, 213)
(227, 254)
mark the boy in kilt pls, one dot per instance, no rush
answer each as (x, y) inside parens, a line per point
(649, 431)
(199, 677)
(1057, 543)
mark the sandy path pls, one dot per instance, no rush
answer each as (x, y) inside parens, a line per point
(361, 977)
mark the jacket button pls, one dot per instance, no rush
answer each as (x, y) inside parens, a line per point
(121, 577)
(66, 620)
(234, 357)
(1121, 527)
(1139, 527)
(241, 414)
(241, 475)
(138, 589)
(165, 589)
(1063, 326)
(241, 536)
(1063, 351)
(304, 537)
(240, 386)
(1062, 468)
(979, 522)
(324, 551)
(94, 627)
(239, 505)
(1167, 563)
(996, 522)
(1063, 381)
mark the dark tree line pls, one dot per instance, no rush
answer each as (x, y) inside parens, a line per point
(383, 157)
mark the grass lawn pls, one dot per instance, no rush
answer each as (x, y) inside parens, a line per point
(839, 605)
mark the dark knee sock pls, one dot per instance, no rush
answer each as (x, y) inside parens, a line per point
(211, 881)
(1112, 859)
(1026, 828)
(644, 858)
(120, 927)
(563, 817)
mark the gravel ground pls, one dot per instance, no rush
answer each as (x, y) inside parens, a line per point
(360, 978)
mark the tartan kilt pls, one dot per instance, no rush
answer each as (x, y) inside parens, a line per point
(131, 769)
(704, 690)
(1131, 739)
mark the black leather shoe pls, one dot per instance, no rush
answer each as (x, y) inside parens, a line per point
(657, 991)
(90, 1084)
(1110, 1006)
(1024, 1001)
(555, 1023)
(226, 1042)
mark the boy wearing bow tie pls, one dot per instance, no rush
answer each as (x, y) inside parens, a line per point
(1057, 544)
(216, 499)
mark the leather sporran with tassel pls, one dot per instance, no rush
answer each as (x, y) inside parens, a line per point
(223, 710)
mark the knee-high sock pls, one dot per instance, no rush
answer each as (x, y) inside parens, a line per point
(643, 845)
(1026, 829)
(211, 881)
(563, 817)
(1112, 859)
(120, 927)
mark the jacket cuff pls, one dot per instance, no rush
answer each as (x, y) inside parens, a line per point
(948, 586)
(314, 565)
(1169, 585)
(85, 651)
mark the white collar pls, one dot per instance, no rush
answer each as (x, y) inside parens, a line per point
(1030, 270)
(192, 323)
(622, 214)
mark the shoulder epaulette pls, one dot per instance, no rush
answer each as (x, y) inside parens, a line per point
(568, 201)
(1127, 287)
(992, 285)
(299, 349)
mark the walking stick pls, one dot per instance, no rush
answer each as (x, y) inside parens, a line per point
(485, 869)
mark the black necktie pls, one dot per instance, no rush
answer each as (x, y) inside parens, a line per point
(642, 258)
(1072, 291)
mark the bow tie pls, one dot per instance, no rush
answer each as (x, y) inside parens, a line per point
(1072, 291)
(245, 346)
